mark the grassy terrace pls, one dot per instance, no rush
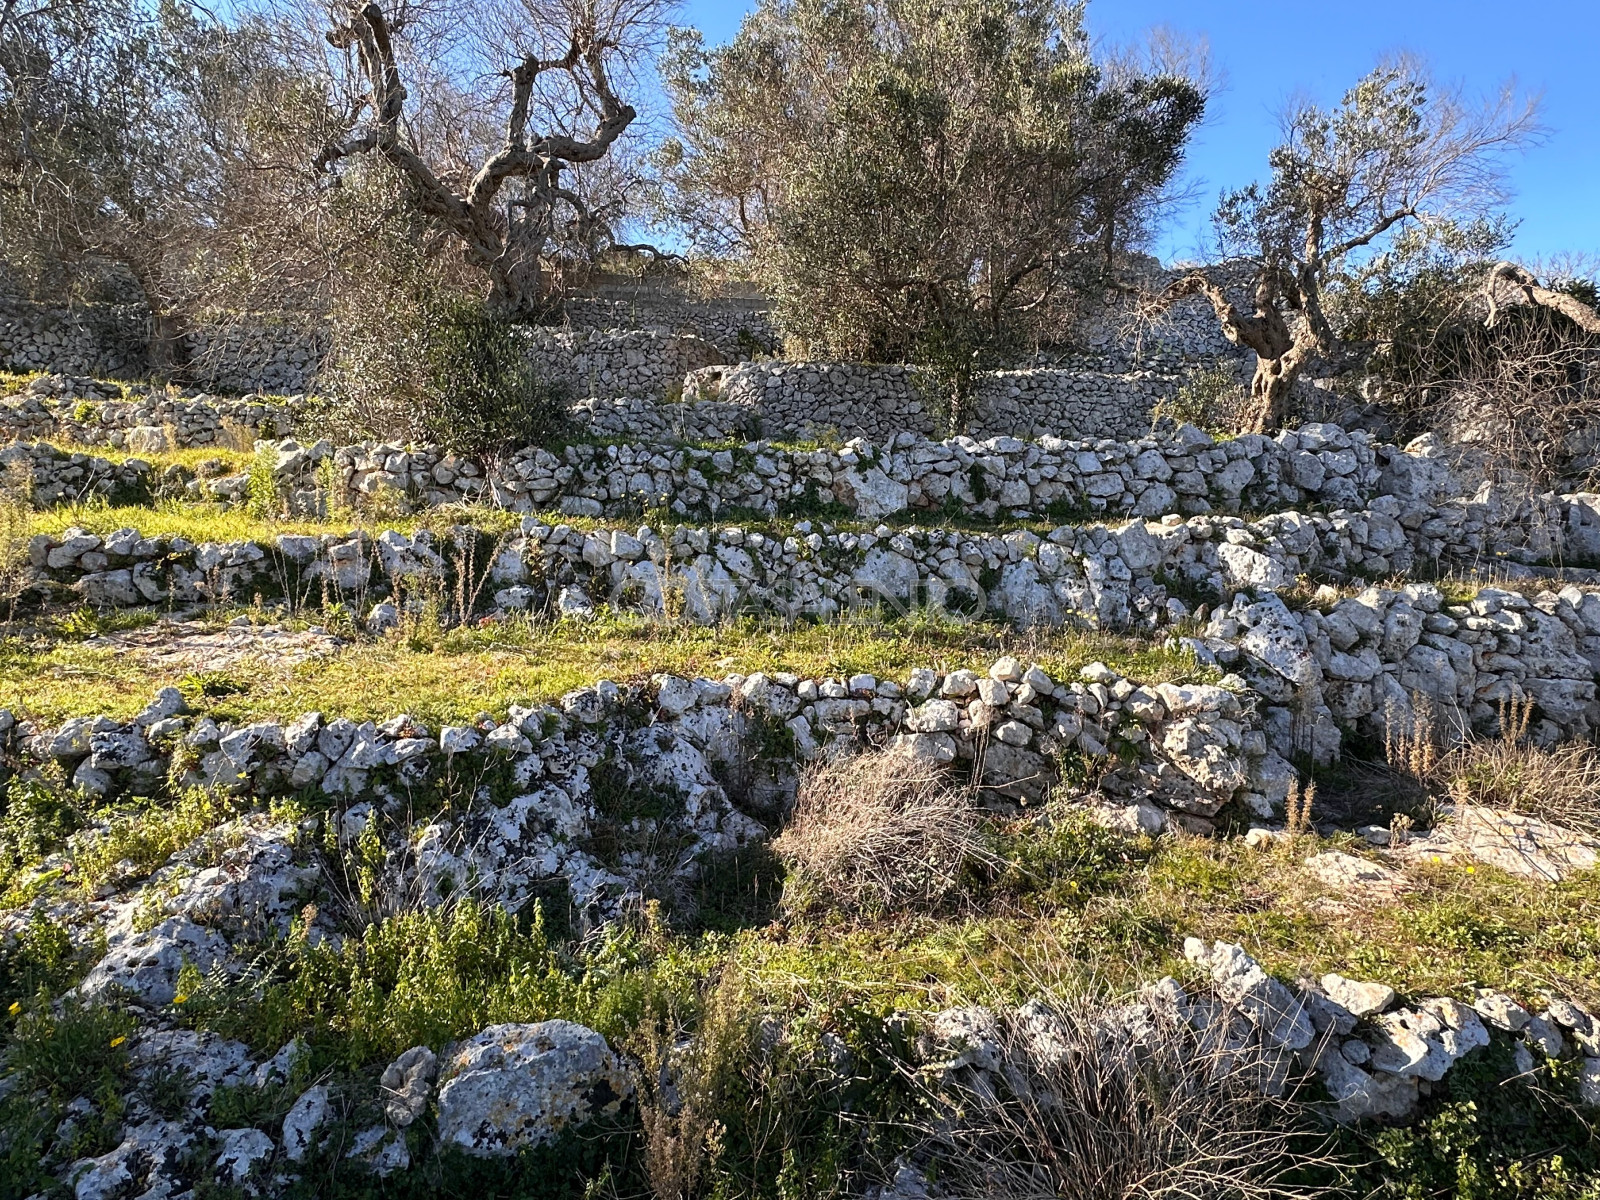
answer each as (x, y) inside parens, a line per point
(1113, 915)
(82, 666)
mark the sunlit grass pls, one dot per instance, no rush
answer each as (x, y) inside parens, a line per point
(453, 675)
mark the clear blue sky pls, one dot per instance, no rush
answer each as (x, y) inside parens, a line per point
(1268, 52)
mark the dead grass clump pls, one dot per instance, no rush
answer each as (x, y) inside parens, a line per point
(1509, 772)
(1103, 1103)
(877, 832)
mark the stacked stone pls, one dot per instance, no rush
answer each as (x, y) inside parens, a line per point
(147, 422)
(739, 328)
(53, 476)
(613, 363)
(1185, 472)
(96, 339)
(1375, 1057)
(258, 353)
(634, 420)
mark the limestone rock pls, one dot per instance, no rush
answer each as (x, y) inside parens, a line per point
(513, 1086)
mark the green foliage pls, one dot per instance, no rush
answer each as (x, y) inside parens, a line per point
(263, 499)
(37, 960)
(820, 1113)
(420, 359)
(483, 397)
(1209, 397)
(35, 820)
(149, 832)
(923, 181)
(71, 1049)
(432, 976)
(1487, 1134)
(1062, 859)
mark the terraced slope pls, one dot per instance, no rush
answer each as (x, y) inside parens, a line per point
(764, 819)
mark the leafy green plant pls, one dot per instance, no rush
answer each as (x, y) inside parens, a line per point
(68, 1050)
(1487, 1133)
(483, 396)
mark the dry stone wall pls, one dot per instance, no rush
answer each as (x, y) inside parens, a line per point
(147, 421)
(258, 353)
(1352, 662)
(805, 400)
(619, 363)
(1185, 471)
(739, 328)
(93, 339)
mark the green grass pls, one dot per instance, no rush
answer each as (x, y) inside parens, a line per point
(454, 675)
(1457, 927)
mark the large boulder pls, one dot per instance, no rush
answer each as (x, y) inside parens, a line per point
(514, 1086)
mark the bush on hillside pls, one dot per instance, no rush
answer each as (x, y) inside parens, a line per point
(877, 832)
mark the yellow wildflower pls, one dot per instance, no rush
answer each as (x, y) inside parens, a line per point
(118, 1040)
(180, 998)
(16, 1007)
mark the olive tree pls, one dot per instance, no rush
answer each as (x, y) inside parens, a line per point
(919, 179)
(117, 127)
(509, 198)
(1396, 152)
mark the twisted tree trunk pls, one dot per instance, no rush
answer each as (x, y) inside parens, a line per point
(1281, 352)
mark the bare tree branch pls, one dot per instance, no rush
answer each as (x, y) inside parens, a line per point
(509, 242)
(1528, 285)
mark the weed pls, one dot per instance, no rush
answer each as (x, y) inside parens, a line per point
(70, 1049)
(879, 832)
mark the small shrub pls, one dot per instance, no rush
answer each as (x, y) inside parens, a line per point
(1486, 1133)
(877, 833)
(483, 397)
(35, 820)
(70, 1051)
(1209, 397)
(684, 1086)
(150, 834)
(16, 529)
(39, 958)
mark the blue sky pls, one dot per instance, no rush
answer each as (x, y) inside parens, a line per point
(1268, 52)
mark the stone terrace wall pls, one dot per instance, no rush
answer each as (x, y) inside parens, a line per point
(803, 400)
(616, 363)
(252, 353)
(90, 339)
(259, 353)
(1188, 330)
(807, 399)
(148, 423)
(1356, 665)
(1184, 472)
(1037, 401)
(737, 327)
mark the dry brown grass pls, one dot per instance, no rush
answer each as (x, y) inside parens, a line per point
(1109, 1103)
(683, 1084)
(1507, 772)
(876, 832)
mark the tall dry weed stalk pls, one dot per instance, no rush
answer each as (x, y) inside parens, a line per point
(1508, 771)
(876, 832)
(1513, 773)
(683, 1084)
(16, 529)
(1298, 806)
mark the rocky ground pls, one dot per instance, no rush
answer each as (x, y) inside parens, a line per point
(381, 824)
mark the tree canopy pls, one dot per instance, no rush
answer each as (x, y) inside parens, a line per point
(920, 178)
